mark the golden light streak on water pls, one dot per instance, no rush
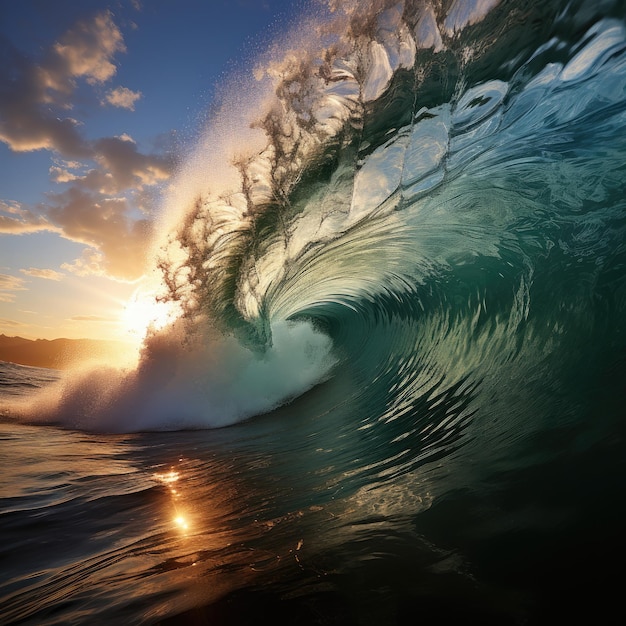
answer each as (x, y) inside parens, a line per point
(169, 479)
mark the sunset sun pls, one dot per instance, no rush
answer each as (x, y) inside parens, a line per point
(145, 312)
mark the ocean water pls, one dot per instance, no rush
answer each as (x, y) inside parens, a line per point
(395, 392)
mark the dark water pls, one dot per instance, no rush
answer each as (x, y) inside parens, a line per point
(408, 317)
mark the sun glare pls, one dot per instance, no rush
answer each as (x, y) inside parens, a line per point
(143, 312)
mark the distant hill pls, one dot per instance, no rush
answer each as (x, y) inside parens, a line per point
(55, 353)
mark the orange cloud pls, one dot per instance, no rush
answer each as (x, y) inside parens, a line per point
(108, 181)
(16, 220)
(6, 322)
(129, 167)
(90, 318)
(30, 92)
(60, 175)
(87, 50)
(123, 98)
(8, 285)
(117, 243)
(42, 273)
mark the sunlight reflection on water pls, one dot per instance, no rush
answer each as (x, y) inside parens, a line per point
(170, 479)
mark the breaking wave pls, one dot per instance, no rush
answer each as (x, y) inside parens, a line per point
(411, 219)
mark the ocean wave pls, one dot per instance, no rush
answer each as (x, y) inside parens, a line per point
(430, 220)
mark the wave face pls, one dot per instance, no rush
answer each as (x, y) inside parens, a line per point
(440, 191)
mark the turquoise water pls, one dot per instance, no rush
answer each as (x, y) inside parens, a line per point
(396, 393)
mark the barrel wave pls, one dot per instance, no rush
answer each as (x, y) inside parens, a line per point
(441, 194)
(430, 212)
(401, 270)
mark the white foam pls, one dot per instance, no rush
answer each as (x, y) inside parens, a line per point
(185, 384)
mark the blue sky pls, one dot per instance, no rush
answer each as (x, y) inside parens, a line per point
(99, 102)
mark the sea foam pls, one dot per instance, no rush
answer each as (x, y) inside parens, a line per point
(187, 381)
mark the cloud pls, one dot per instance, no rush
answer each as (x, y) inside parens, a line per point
(123, 98)
(8, 285)
(11, 283)
(33, 96)
(117, 243)
(90, 318)
(61, 170)
(87, 50)
(100, 209)
(16, 220)
(60, 175)
(23, 128)
(6, 322)
(91, 263)
(42, 273)
(121, 167)
(108, 182)
(94, 180)
(129, 167)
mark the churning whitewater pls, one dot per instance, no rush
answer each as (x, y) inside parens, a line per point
(397, 263)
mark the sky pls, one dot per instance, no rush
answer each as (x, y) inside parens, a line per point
(100, 102)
